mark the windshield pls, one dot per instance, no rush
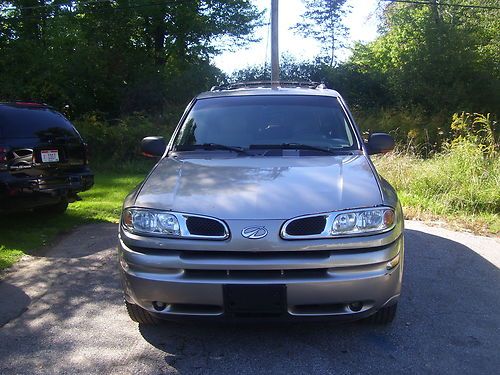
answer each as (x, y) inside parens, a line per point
(250, 121)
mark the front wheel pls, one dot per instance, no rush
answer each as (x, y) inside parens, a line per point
(139, 315)
(384, 316)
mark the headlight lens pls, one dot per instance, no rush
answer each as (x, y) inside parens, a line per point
(152, 222)
(156, 223)
(363, 221)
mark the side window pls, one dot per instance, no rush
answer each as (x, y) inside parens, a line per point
(335, 127)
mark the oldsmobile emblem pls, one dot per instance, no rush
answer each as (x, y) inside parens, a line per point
(254, 233)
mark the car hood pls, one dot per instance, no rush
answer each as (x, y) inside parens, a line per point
(260, 187)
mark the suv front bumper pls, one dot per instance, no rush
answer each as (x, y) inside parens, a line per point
(319, 278)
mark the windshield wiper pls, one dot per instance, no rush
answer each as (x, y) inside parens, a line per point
(211, 146)
(300, 146)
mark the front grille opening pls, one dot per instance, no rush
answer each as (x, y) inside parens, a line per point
(311, 256)
(320, 309)
(256, 315)
(306, 226)
(201, 226)
(352, 307)
(256, 275)
(188, 309)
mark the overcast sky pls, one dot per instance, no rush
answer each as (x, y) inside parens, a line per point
(362, 23)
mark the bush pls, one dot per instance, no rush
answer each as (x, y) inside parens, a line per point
(414, 131)
(119, 140)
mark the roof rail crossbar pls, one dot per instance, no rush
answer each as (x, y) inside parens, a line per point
(240, 85)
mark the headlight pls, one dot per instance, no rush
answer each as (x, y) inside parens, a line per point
(354, 222)
(152, 222)
(149, 222)
(363, 221)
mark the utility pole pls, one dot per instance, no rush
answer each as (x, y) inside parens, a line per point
(275, 52)
(435, 11)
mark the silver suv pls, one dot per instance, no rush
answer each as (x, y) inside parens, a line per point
(264, 204)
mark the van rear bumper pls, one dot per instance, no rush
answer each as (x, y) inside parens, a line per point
(28, 192)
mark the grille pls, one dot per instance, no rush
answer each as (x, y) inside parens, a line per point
(256, 274)
(201, 226)
(306, 226)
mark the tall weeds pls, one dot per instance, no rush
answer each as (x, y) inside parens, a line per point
(462, 179)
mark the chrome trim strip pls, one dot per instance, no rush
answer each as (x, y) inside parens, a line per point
(328, 224)
(185, 232)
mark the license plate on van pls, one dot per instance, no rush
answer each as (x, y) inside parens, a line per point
(50, 156)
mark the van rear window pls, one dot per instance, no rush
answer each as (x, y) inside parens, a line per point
(20, 122)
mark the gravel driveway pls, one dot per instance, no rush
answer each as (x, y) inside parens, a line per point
(62, 313)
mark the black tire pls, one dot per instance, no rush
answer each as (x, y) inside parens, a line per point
(384, 316)
(139, 315)
(54, 209)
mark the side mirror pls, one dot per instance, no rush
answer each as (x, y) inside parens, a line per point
(380, 143)
(153, 147)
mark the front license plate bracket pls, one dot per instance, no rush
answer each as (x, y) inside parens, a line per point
(255, 300)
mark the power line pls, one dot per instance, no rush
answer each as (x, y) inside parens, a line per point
(444, 4)
(167, 2)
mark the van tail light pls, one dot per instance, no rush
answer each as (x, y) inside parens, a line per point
(30, 104)
(3, 157)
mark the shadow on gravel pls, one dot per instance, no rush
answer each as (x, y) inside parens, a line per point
(34, 233)
(84, 241)
(14, 302)
(447, 322)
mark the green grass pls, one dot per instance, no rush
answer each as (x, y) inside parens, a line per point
(459, 186)
(26, 233)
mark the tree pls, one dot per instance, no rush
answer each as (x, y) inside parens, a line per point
(116, 56)
(323, 21)
(437, 57)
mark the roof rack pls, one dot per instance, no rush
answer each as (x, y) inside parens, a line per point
(262, 84)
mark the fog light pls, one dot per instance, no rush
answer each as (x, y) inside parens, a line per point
(393, 263)
(356, 306)
(159, 306)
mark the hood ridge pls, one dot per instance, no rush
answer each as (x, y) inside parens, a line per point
(261, 187)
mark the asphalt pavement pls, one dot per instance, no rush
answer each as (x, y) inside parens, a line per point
(61, 312)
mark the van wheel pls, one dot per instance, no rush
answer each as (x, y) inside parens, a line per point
(384, 316)
(139, 315)
(54, 209)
